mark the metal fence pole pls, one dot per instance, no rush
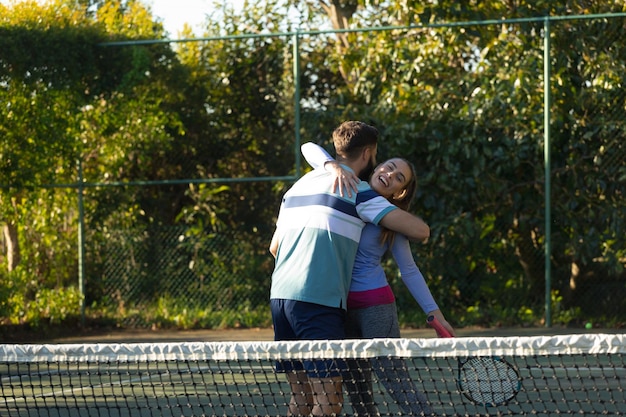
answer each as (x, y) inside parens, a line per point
(81, 241)
(296, 94)
(546, 152)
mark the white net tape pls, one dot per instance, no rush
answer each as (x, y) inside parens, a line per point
(269, 350)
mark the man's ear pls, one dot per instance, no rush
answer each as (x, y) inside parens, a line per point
(367, 153)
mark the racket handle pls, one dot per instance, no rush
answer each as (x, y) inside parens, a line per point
(436, 324)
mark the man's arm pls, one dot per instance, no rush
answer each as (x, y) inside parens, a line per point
(274, 244)
(409, 225)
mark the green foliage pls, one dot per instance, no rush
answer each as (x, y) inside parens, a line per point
(12, 295)
(48, 263)
(562, 314)
(462, 105)
(53, 306)
(23, 301)
(180, 314)
(148, 122)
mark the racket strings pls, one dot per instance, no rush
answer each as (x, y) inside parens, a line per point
(488, 381)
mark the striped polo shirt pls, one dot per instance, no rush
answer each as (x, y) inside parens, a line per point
(319, 233)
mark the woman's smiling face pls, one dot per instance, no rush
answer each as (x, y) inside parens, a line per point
(391, 177)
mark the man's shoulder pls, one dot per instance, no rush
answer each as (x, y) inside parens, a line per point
(318, 174)
(366, 193)
(317, 178)
(364, 186)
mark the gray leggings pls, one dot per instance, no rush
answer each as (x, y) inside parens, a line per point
(380, 322)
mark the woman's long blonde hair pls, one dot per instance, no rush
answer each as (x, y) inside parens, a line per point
(404, 202)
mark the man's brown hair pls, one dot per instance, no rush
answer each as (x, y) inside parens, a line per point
(351, 137)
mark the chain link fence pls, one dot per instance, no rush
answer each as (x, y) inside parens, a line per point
(219, 276)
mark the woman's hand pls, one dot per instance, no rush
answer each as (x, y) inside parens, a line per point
(345, 181)
(439, 315)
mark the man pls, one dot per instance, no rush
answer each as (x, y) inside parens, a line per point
(315, 243)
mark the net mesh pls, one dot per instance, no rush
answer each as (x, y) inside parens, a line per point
(559, 375)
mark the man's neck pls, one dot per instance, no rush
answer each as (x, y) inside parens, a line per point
(343, 161)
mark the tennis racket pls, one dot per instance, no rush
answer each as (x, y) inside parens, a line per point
(487, 381)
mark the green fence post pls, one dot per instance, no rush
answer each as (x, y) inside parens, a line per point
(296, 79)
(546, 153)
(81, 242)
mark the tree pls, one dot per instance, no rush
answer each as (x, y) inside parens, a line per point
(463, 102)
(52, 70)
(466, 105)
(44, 60)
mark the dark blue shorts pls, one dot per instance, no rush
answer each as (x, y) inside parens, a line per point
(298, 320)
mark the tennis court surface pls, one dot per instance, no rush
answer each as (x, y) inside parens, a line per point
(581, 375)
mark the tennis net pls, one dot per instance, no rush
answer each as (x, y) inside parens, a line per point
(582, 375)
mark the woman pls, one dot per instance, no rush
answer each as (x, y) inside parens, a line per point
(372, 311)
